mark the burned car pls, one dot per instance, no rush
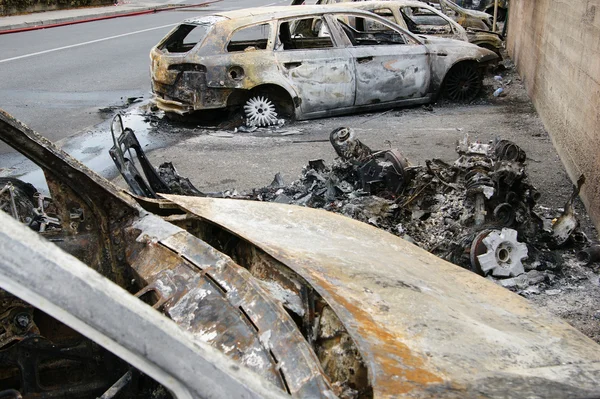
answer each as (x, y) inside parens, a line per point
(487, 6)
(465, 17)
(307, 62)
(190, 297)
(422, 19)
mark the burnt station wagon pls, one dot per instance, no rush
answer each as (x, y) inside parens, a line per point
(307, 62)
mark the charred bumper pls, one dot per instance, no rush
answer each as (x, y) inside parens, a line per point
(189, 91)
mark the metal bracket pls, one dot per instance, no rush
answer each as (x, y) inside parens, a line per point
(123, 145)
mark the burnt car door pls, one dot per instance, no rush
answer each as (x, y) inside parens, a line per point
(321, 72)
(391, 65)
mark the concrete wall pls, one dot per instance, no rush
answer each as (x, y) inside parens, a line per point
(556, 47)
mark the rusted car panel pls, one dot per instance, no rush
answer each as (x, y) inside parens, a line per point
(308, 72)
(425, 327)
(486, 39)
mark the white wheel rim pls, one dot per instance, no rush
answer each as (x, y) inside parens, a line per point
(260, 111)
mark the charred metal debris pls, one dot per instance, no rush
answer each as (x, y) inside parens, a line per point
(478, 212)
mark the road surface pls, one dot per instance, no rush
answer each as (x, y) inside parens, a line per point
(55, 80)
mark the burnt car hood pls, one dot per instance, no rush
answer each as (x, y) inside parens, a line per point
(477, 14)
(447, 42)
(458, 49)
(424, 326)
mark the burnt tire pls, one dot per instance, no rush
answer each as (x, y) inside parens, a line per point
(463, 82)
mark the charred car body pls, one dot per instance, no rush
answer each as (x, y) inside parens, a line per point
(487, 6)
(466, 18)
(193, 291)
(423, 19)
(307, 62)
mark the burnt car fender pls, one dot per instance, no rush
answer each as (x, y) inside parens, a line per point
(446, 53)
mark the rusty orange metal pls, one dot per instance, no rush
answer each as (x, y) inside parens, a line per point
(424, 326)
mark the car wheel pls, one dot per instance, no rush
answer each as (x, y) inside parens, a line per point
(463, 82)
(259, 110)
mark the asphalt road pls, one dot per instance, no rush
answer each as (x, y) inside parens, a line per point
(55, 80)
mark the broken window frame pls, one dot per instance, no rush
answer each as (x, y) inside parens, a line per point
(177, 37)
(446, 22)
(408, 38)
(280, 46)
(268, 36)
(391, 15)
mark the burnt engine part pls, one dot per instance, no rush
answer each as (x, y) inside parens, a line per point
(567, 222)
(385, 171)
(177, 184)
(347, 146)
(377, 170)
(448, 209)
(506, 150)
(17, 199)
(589, 255)
(24, 203)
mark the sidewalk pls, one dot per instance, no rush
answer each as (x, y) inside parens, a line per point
(42, 20)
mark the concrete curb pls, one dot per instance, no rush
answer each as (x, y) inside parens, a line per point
(56, 22)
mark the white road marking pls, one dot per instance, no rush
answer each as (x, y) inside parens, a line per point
(277, 2)
(85, 43)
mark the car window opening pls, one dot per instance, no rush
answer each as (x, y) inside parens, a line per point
(369, 32)
(250, 38)
(303, 34)
(385, 13)
(185, 38)
(422, 21)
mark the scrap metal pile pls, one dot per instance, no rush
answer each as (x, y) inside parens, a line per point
(478, 212)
